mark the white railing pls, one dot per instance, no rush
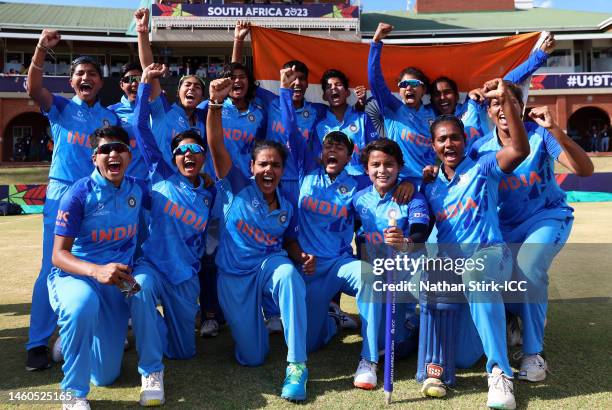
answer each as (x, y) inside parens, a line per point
(282, 23)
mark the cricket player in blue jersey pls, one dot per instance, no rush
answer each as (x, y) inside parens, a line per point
(343, 117)
(168, 120)
(72, 121)
(464, 199)
(374, 207)
(129, 78)
(472, 112)
(258, 221)
(95, 238)
(168, 271)
(406, 120)
(535, 219)
(326, 215)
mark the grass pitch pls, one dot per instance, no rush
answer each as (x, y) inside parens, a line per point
(578, 347)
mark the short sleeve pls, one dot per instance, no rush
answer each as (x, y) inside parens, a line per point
(57, 106)
(418, 211)
(489, 166)
(71, 210)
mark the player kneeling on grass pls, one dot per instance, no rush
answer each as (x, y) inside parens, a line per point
(95, 238)
(375, 206)
(535, 219)
(259, 230)
(464, 199)
(326, 217)
(168, 271)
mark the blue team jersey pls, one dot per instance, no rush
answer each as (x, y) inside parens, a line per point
(404, 125)
(465, 207)
(241, 129)
(72, 122)
(125, 111)
(102, 219)
(250, 233)
(532, 188)
(179, 211)
(307, 116)
(169, 120)
(356, 125)
(325, 209)
(375, 211)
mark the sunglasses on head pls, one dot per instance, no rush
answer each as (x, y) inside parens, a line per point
(129, 79)
(118, 147)
(193, 148)
(412, 83)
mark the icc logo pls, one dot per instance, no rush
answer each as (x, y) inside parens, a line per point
(131, 202)
(255, 203)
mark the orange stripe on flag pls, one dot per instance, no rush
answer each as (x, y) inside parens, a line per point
(470, 64)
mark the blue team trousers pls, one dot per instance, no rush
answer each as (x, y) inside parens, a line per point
(541, 240)
(42, 318)
(172, 335)
(348, 275)
(241, 298)
(93, 324)
(487, 313)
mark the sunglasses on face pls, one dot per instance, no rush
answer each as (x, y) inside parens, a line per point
(129, 79)
(412, 83)
(193, 148)
(118, 147)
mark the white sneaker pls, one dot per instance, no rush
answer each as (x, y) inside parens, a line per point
(433, 387)
(501, 391)
(56, 352)
(365, 376)
(346, 322)
(210, 328)
(274, 325)
(514, 331)
(152, 390)
(76, 403)
(533, 368)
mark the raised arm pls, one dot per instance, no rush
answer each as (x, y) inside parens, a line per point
(511, 155)
(533, 62)
(241, 30)
(151, 152)
(572, 155)
(297, 144)
(218, 91)
(48, 39)
(145, 53)
(378, 86)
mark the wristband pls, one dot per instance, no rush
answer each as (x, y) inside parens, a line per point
(41, 47)
(33, 64)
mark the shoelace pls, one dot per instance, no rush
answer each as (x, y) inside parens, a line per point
(153, 381)
(295, 373)
(365, 365)
(500, 382)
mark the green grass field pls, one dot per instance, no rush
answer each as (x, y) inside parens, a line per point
(578, 347)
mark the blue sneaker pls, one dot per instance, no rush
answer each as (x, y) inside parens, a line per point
(294, 387)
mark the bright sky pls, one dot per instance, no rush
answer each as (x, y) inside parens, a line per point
(368, 5)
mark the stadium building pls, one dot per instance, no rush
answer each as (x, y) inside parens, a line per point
(197, 38)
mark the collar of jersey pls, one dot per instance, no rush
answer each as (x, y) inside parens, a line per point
(349, 113)
(105, 184)
(386, 197)
(230, 105)
(281, 200)
(78, 101)
(338, 179)
(465, 162)
(125, 101)
(187, 182)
